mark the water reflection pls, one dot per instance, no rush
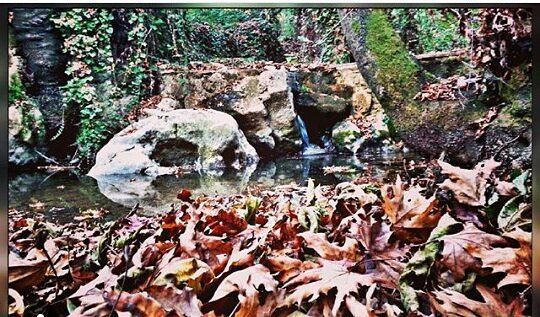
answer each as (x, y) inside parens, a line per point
(117, 193)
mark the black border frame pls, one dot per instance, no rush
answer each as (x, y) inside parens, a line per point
(4, 198)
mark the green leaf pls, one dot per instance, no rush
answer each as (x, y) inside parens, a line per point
(520, 181)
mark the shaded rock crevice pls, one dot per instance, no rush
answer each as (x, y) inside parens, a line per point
(40, 44)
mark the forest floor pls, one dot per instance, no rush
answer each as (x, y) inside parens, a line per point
(443, 239)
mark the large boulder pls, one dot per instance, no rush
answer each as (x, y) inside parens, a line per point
(184, 138)
(258, 96)
(263, 105)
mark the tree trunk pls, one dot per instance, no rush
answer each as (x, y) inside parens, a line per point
(428, 127)
(382, 58)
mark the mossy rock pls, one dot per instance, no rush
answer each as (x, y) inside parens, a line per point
(347, 137)
(395, 68)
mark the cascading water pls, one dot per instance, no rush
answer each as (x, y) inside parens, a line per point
(307, 147)
(303, 132)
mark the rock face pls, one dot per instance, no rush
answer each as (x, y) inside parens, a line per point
(347, 137)
(322, 101)
(40, 44)
(25, 134)
(368, 126)
(263, 106)
(260, 100)
(186, 138)
(265, 98)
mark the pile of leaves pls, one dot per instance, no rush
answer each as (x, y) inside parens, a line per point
(500, 38)
(453, 88)
(454, 242)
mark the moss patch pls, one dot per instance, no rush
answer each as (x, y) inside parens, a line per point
(396, 70)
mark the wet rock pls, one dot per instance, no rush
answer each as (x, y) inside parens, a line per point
(263, 106)
(347, 137)
(261, 101)
(155, 194)
(184, 138)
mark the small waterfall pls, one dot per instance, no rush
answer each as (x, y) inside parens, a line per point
(307, 147)
(303, 132)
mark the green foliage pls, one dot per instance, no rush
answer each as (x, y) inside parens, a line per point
(96, 79)
(32, 126)
(16, 89)
(286, 22)
(312, 35)
(87, 35)
(223, 18)
(436, 29)
(396, 69)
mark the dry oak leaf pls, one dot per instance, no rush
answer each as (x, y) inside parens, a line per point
(392, 199)
(285, 266)
(178, 271)
(17, 307)
(452, 303)
(331, 251)
(247, 283)
(312, 283)
(23, 274)
(470, 248)
(139, 304)
(516, 263)
(468, 186)
(183, 302)
(409, 208)
(345, 191)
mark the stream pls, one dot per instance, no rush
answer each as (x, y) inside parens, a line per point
(60, 196)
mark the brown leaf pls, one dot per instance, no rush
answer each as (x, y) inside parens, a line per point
(312, 283)
(330, 251)
(23, 274)
(392, 199)
(225, 222)
(184, 302)
(409, 208)
(468, 186)
(452, 303)
(466, 249)
(139, 304)
(506, 188)
(247, 283)
(17, 307)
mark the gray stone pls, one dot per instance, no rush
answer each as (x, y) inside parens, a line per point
(185, 138)
(347, 137)
(25, 134)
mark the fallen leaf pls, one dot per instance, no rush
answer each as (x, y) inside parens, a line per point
(139, 304)
(314, 282)
(16, 308)
(331, 251)
(184, 302)
(468, 186)
(409, 208)
(452, 303)
(23, 274)
(247, 283)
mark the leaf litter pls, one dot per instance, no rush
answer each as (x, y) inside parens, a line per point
(458, 244)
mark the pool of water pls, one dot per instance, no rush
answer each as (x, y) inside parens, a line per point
(61, 195)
